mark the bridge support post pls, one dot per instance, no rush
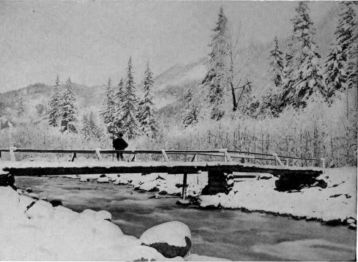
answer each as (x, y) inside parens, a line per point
(322, 159)
(73, 157)
(98, 153)
(12, 153)
(218, 182)
(165, 155)
(277, 159)
(184, 189)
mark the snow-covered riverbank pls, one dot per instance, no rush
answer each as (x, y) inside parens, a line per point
(36, 230)
(335, 204)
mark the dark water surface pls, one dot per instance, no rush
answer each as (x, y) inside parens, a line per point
(230, 234)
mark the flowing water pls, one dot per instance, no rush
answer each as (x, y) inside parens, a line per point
(230, 234)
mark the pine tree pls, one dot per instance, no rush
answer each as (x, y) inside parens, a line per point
(54, 105)
(305, 69)
(276, 64)
(109, 108)
(336, 76)
(90, 128)
(130, 104)
(146, 118)
(218, 77)
(271, 101)
(287, 75)
(118, 109)
(67, 109)
(192, 110)
(341, 65)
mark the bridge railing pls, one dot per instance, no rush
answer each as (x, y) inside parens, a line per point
(224, 154)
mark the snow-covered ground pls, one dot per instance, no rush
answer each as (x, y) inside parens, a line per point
(35, 230)
(334, 204)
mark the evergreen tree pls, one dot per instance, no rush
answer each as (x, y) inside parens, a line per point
(90, 128)
(130, 105)
(67, 109)
(218, 77)
(118, 110)
(336, 76)
(276, 64)
(271, 101)
(146, 118)
(192, 110)
(347, 40)
(305, 69)
(287, 76)
(109, 108)
(54, 105)
(341, 65)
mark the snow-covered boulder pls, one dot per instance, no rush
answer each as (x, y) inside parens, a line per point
(103, 179)
(171, 239)
(86, 178)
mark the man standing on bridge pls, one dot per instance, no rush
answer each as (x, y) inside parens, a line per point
(119, 144)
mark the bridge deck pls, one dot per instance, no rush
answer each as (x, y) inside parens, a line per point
(36, 168)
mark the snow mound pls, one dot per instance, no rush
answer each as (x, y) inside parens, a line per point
(172, 233)
(171, 239)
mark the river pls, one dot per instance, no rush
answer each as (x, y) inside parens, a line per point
(230, 234)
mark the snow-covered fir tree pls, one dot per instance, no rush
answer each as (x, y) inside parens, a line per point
(287, 74)
(146, 118)
(109, 108)
(276, 64)
(305, 69)
(67, 109)
(218, 77)
(53, 114)
(118, 109)
(341, 64)
(90, 128)
(271, 101)
(336, 76)
(130, 105)
(192, 110)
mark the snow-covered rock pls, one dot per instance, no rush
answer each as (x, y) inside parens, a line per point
(87, 178)
(103, 179)
(171, 239)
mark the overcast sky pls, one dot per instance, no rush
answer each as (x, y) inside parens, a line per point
(90, 41)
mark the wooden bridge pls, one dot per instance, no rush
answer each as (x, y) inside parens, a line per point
(220, 171)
